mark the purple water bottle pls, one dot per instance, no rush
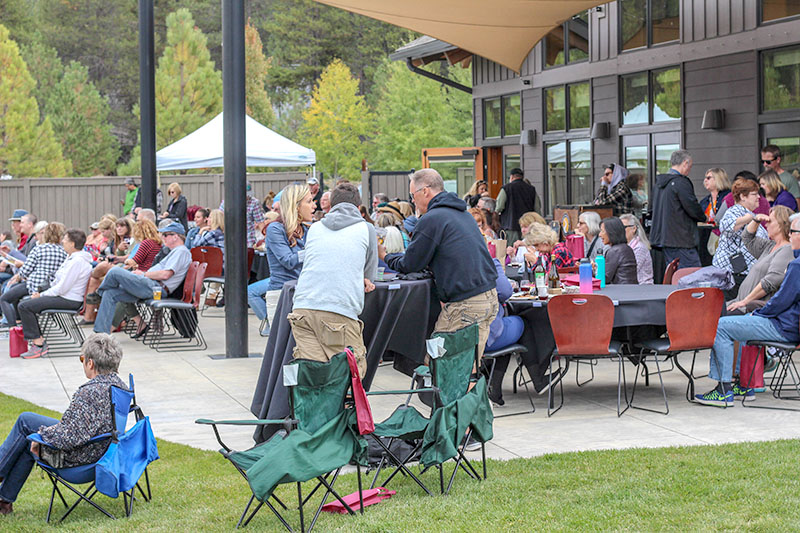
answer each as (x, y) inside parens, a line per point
(585, 275)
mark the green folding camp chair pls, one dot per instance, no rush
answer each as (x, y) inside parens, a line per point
(457, 411)
(320, 437)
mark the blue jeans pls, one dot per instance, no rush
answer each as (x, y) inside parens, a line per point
(742, 329)
(255, 297)
(512, 331)
(120, 285)
(4, 277)
(16, 460)
(688, 256)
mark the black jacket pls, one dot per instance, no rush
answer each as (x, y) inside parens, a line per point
(177, 210)
(447, 240)
(621, 265)
(520, 199)
(676, 212)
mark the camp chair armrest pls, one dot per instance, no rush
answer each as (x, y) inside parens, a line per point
(409, 391)
(36, 437)
(264, 422)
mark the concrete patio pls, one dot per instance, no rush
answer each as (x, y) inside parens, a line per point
(174, 389)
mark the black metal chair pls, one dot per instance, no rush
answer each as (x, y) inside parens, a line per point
(511, 351)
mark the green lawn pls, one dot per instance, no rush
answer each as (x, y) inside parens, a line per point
(751, 487)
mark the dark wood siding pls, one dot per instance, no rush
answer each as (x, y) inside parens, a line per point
(706, 19)
(729, 83)
(532, 154)
(485, 71)
(604, 109)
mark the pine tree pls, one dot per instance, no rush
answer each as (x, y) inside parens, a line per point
(337, 122)
(188, 87)
(80, 120)
(415, 113)
(44, 66)
(27, 148)
(256, 70)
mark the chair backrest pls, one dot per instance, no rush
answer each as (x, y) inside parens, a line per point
(681, 272)
(198, 254)
(581, 323)
(213, 256)
(121, 402)
(198, 284)
(451, 371)
(671, 268)
(188, 282)
(692, 318)
(318, 392)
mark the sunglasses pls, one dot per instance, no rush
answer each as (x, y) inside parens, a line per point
(767, 161)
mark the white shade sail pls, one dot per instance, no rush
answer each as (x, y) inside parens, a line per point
(203, 149)
(504, 31)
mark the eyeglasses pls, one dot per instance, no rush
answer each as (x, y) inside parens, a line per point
(794, 231)
(581, 222)
(421, 188)
(629, 225)
(169, 234)
(767, 161)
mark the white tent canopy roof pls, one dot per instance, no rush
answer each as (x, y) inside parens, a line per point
(203, 149)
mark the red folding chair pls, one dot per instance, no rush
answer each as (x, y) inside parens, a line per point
(692, 318)
(582, 325)
(671, 268)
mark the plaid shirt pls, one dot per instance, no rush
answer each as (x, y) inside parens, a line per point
(41, 265)
(211, 238)
(730, 240)
(254, 216)
(563, 257)
(620, 198)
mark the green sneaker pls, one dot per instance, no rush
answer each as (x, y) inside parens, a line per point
(739, 391)
(715, 398)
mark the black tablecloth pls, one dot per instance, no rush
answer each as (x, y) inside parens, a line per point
(398, 316)
(260, 267)
(634, 305)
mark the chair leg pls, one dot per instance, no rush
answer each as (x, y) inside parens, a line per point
(622, 384)
(642, 358)
(360, 490)
(559, 384)
(300, 505)
(578, 364)
(690, 384)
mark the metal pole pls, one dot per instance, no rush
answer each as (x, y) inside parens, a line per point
(233, 102)
(147, 103)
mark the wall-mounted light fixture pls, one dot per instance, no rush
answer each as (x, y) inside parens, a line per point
(713, 119)
(601, 130)
(527, 137)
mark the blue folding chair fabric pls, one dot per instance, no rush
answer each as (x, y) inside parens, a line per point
(125, 461)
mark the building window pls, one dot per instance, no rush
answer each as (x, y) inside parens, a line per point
(778, 9)
(650, 97)
(567, 107)
(569, 172)
(502, 116)
(575, 48)
(780, 75)
(647, 22)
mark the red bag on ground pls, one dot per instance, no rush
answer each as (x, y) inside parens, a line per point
(363, 411)
(371, 497)
(750, 355)
(17, 345)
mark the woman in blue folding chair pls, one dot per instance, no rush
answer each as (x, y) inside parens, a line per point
(88, 415)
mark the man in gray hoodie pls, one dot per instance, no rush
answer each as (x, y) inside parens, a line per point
(340, 263)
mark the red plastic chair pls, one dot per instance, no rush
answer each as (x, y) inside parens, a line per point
(582, 325)
(682, 272)
(198, 255)
(692, 319)
(213, 257)
(671, 268)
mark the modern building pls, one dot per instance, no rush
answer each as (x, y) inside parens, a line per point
(631, 81)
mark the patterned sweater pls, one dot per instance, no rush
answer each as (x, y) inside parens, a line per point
(88, 415)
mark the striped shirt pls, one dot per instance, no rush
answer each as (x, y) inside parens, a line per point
(146, 253)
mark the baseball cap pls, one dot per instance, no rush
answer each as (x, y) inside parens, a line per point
(17, 216)
(130, 181)
(173, 228)
(94, 225)
(313, 181)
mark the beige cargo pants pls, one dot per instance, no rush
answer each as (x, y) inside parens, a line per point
(480, 309)
(319, 335)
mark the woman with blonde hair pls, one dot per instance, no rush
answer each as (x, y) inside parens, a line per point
(545, 241)
(775, 190)
(177, 207)
(285, 242)
(478, 190)
(214, 234)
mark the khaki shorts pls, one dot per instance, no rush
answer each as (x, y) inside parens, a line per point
(480, 309)
(319, 335)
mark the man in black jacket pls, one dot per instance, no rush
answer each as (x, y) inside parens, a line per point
(447, 240)
(676, 213)
(516, 198)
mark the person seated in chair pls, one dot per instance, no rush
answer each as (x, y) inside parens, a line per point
(121, 285)
(66, 292)
(777, 321)
(89, 414)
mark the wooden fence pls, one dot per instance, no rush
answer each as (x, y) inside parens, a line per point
(77, 202)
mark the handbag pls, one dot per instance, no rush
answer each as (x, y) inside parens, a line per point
(17, 345)
(363, 411)
(370, 496)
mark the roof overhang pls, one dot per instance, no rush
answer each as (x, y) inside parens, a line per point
(426, 50)
(504, 31)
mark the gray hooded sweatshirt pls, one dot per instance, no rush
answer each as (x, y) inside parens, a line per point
(341, 250)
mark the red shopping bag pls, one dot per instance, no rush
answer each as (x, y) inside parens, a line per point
(17, 345)
(371, 497)
(575, 246)
(752, 379)
(363, 411)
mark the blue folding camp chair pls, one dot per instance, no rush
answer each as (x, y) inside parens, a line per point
(120, 468)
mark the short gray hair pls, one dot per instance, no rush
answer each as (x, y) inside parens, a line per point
(794, 218)
(148, 214)
(678, 157)
(629, 219)
(428, 177)
(592, 220)
(488, 203)
(104, 350)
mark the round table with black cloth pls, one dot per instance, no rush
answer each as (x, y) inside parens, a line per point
(398, 317)
(260, 268)
(634, 305)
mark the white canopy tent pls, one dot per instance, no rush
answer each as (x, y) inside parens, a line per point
(203, 149)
